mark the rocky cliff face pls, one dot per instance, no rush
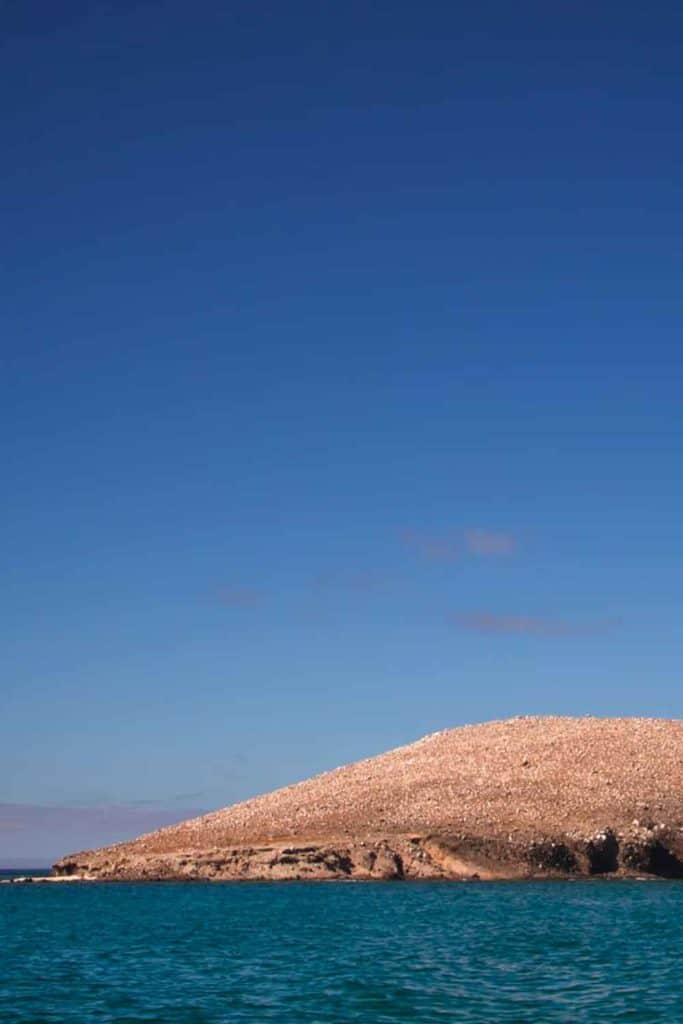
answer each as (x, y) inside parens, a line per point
(530, 797)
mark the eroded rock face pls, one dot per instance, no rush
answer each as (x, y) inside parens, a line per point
(653, 851)
(602, 853)
(399, 858)
(372, 860)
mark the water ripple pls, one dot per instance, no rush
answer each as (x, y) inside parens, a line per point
(336, 953)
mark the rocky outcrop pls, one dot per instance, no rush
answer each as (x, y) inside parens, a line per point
(527, 798)
(428, 857)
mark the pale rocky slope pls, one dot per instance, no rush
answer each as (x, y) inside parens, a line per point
(519, 798)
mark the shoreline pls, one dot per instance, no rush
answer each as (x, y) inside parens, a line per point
(517, 880)
(606, 853)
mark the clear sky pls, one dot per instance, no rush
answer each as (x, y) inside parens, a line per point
(341, 388)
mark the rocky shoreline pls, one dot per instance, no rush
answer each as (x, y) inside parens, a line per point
(655, 852)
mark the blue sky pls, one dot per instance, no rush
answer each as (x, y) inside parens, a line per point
(341, 383)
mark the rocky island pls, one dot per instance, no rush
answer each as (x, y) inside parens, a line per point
(525, 798)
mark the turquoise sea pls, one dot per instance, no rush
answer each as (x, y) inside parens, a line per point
(291, 953)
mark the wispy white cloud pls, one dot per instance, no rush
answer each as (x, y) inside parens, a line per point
(478, 542)
(362, 580)
(483, 621)
(490, 543)
(435, 548)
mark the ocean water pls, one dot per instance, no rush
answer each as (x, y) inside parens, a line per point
(22, 872)
(291, 953)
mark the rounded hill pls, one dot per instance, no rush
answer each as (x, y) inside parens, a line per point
(503, 799)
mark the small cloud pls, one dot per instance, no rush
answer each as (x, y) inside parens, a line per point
(490, 543)
(239, 597)
(435, 548)
(447, 547)
(363, 581)
(530, 625)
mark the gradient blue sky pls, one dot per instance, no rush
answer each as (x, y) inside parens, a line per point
(341, 389)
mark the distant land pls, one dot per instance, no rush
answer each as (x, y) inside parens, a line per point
(531, 797)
